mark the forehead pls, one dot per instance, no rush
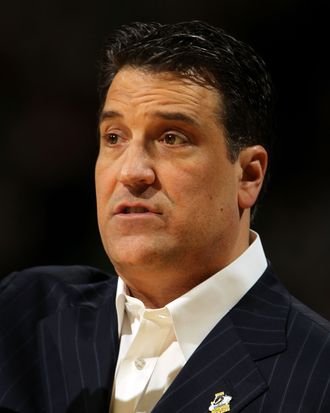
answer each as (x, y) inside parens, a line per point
(147, 91)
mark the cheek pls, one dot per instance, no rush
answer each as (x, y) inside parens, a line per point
(104, 181)
(181, 188)
(211, 193)
(196, 182)
(103, 189)
(194, 193)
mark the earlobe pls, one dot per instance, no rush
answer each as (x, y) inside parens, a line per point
(253, 163)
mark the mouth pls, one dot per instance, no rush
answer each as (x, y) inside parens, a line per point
(134, 208)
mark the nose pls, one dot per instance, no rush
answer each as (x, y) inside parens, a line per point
(137, 170)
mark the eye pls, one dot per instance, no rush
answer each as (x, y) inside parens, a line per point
(111, 138)
(172, 139)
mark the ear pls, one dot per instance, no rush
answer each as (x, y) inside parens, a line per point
(253, 164)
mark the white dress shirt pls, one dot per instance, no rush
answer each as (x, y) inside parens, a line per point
(156, 343)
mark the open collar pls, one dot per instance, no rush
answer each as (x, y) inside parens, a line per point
(226, 360)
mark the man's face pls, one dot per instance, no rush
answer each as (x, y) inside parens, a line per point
(167, 194)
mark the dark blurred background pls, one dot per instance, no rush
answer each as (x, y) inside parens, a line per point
(49, 51)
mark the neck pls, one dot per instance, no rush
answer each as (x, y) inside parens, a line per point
(158, 294)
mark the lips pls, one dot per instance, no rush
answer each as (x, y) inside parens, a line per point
(134, 208)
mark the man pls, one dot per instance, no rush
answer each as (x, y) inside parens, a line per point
(197, 320)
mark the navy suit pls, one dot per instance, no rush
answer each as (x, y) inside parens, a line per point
(59, 347)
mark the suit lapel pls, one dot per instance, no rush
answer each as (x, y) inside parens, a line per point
(226, 361)
(261, 317)
(220, 364)
(79, 348)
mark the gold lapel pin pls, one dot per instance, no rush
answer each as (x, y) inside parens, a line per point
(221, 403)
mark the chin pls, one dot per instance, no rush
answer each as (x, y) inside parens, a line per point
(134, 251)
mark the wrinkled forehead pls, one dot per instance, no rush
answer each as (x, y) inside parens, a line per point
(142, 87)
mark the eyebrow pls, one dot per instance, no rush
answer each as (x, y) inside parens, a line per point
(109, 114)
(175, 116)
(179, 116)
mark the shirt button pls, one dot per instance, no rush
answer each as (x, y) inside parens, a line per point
(139, 363)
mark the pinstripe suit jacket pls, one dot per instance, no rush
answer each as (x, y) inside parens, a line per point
(59, 346)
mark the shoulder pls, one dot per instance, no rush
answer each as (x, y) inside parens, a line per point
(71, 274)
(305, 363)
(297, 341)
(281, 321)
(308, 331)
(303, 325)
(52, 288)
(27, 299)
(299, 316)
(309, 316)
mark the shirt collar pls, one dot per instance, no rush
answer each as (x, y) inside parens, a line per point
(120, 303)
(206, 304)
(191, 313)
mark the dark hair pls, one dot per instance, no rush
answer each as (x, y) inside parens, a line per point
(209, 56)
